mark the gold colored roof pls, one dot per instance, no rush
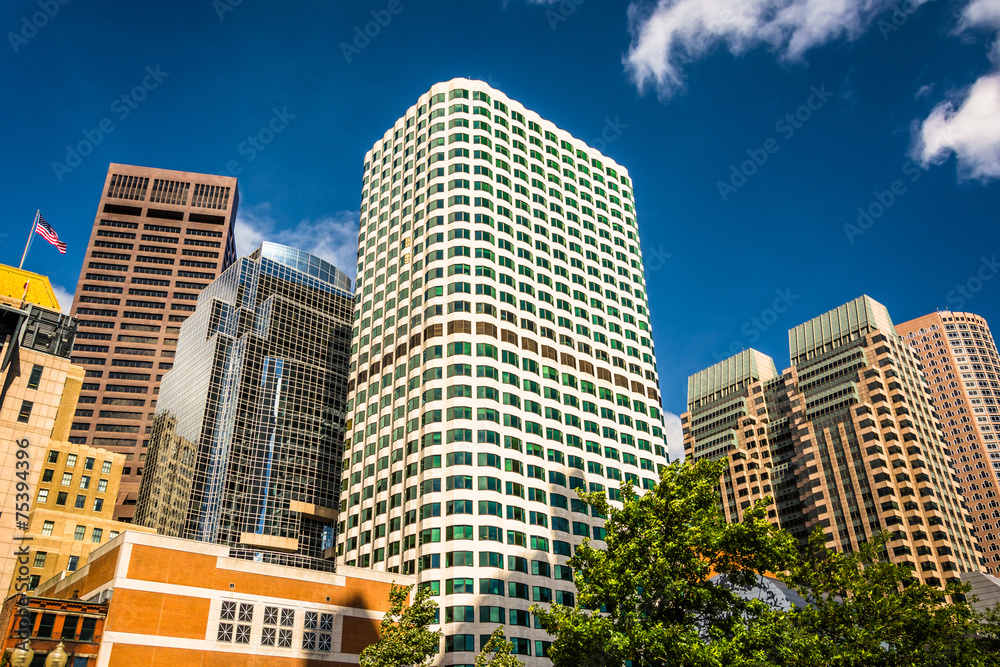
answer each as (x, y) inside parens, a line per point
(40, 292)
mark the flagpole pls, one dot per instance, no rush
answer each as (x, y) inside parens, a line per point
(34, 226)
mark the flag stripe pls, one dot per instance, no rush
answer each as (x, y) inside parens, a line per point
(45, 230)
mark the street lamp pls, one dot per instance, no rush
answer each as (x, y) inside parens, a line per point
(22, 657)
(57, 657)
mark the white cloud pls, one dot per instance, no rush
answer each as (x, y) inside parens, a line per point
(675, 436)
(64, 297)
(981, 13)
(971, 132)
(332, 237)
(968, 127)
(674, 33)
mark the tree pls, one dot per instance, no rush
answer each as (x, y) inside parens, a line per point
(653, 582)
(404, 637)
(497, 652)
(863, 610)
(650, 597)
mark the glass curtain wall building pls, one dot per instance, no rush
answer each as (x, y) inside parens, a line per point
(502, 360)
(248, 434)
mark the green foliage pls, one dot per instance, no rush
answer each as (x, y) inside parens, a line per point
(863, 610)
(659, 606)
(497, 652)
(654, 578)
(404, 637)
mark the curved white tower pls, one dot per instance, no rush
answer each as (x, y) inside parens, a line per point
(503, 358)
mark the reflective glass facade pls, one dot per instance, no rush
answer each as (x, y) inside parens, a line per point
(502, 360)
(248, 434)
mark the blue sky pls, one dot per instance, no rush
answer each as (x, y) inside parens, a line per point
(894, 109)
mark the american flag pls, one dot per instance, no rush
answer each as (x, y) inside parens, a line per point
(49, 234)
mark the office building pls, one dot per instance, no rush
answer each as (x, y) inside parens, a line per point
(172, 602)
(846, 439)
(502, 360)
(159, 237)
(248, 436)
(959, 359)
(39, 386)
(72, 511)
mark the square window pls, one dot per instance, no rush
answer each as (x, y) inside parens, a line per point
(246, 613)
(81, 502)
(70, 460)
(106, 467)
(270, 615)
(287, 617)
(61, 498)
(113, 534)
(43, 495)
(102, 485)
(53, 457)
(228, 612)
(88, 463)
(67, 479)
(47, 528)
(39, 559)
(98, 504)
(326, 622)
(25, 414)
(225, 632)
(309, 640)
(312, 620)
(269, 637)
(47, 475)
(96, 534)
(242, 634)
(284, 638)
(73, 563)
(84, 482)
(325, 642)
(79, 532)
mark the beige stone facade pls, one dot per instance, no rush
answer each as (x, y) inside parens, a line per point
(845, 439)
(38, 390)
(72, 511)
(960, 361)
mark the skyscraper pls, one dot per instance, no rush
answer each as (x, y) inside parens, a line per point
(159, 237)
(249, 429)
(502, 360)
(960, 362)
(845, 439)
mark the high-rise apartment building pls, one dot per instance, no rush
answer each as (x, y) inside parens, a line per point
(846, 439)
(248, 435)
(502, 360)
(960, 362)
(159, 237)
(38, 390)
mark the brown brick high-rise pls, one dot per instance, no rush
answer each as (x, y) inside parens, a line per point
(159, 237)
(960, 361)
